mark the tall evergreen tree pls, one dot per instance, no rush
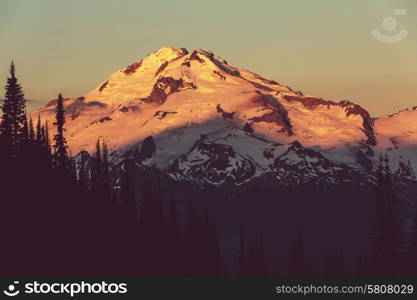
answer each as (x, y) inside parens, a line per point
(14, 115)
(60, 146)
(39, 137)
(31, 130)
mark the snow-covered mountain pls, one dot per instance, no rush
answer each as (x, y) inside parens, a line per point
(213, 124)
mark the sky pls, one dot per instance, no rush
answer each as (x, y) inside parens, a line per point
(323, 47)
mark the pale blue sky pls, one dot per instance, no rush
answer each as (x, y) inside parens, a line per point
(322, 47)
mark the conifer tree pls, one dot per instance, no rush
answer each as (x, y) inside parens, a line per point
(31, 130)
(39, 130)
(14, 115)
(60, 146)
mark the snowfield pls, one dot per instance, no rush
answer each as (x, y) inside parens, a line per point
(211, 121)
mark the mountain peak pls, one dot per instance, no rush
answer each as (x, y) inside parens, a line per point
(167, 53)
(175, 96)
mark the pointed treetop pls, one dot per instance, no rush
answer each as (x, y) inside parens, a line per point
(12, 69)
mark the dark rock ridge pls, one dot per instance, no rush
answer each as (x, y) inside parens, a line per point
(279, 114)
(367, 123)
(103, 86)
(226, 115)
(148, 148)
(209, 163)
(299, 165)
(133, 67)
(162, 114)
(309, 102)
(267, 81)
(222, 65)
(161, 68)
(127, 108)
(260, 86)
(221, 76)
(166, 86)
(102, 120)
(194, 56)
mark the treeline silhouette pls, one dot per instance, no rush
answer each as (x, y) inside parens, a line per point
(62, 216)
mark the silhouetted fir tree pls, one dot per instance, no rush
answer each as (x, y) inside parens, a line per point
(60, 145)
(82, 177)
(297, 266)
(47, 142)
(97, 181)
(106, 170)
(39, 137)
(14, 115)
(387, 241)
(16, 254)
(31, 130)
(25, 131)
(38, 207)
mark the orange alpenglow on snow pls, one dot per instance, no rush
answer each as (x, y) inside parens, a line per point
(181, 97)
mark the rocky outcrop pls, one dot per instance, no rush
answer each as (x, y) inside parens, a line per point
(208, 164)
(103, 86)
(226, 115)
(367, 123)
(132, 68)
(164, 87)
(148, 148)
(278, 115)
